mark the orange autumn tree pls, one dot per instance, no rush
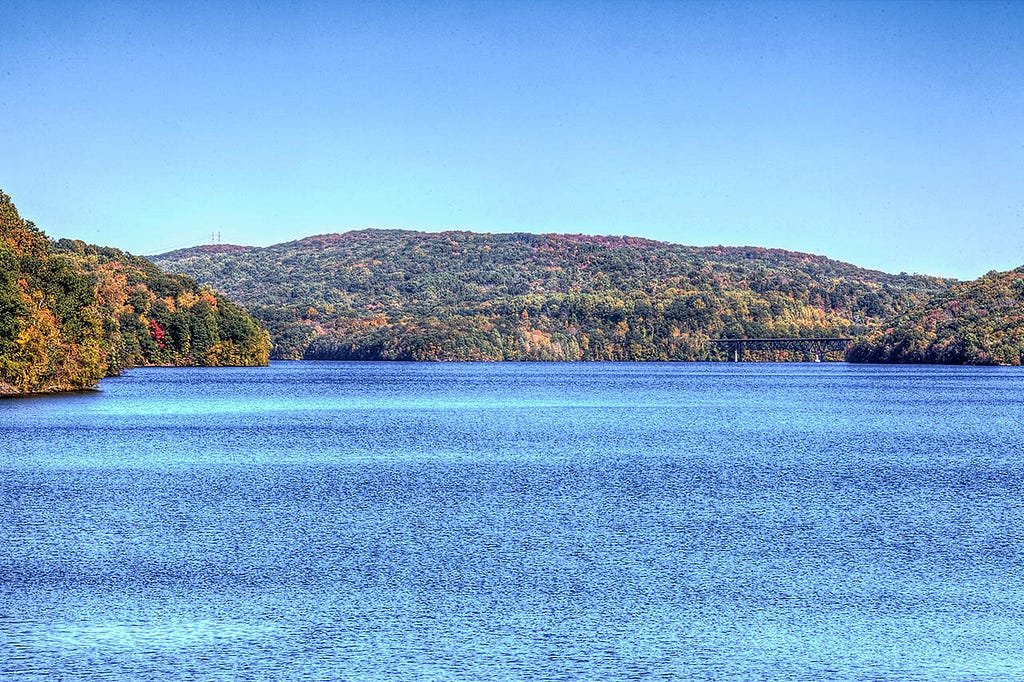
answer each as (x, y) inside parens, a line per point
(157, 318)
(51, 338)
(71, 313)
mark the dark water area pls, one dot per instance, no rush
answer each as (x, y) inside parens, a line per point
(391, 521)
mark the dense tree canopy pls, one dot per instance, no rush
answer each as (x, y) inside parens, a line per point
(396, 294)
(71, 314)
(975, 323)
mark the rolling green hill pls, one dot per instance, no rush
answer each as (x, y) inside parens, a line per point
(396, 294)
(975, 323)
(71, 314)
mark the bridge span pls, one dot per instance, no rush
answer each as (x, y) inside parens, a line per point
(814, 349)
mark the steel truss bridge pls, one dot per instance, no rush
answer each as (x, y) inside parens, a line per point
(813, 349)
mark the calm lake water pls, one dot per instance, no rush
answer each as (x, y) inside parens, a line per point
(389, 521)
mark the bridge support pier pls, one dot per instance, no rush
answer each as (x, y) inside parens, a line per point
(812, 349)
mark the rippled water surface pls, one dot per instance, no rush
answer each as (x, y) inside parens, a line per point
(516, 521)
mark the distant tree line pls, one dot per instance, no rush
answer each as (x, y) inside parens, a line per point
(402, 295)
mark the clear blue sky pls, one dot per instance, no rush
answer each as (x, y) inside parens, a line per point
(890, 135)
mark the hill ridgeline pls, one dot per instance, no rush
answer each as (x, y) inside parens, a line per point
(406, 295)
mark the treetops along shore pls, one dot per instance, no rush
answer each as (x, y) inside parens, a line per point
(72, 313)
(973, 323)
(405, 295)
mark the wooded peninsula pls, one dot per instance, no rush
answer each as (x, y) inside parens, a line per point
(72, 313)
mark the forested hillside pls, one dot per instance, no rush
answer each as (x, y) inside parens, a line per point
(975, 323)
(71, 314)
(395, 294)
